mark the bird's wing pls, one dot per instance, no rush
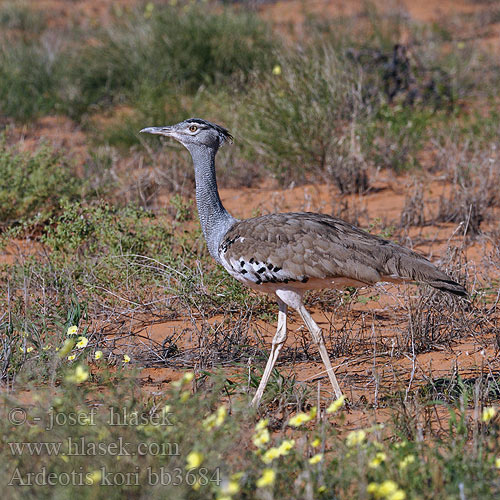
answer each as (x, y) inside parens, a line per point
(301, 246)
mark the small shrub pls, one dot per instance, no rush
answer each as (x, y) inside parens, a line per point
(32, 183)
(396, 136)
(474, 189)
(28, 80)
(413, 213)
(103, 230)
(17, 15)
(306, 119)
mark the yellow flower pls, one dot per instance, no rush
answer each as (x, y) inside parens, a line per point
(184, 396)
(194, 460)
(98, 355)
(316, 443)
(72, 330)
(209, 423)
(322, 489)
(216, 419)
(461, 45)
(82, 342)
(387, 487)
(29, 349)
(260, 438)
(497, 462)
(220, 416)
(387, 490)
(72, 357)
(286, 446)
(148, 11)
(488, 414)
(316, 458)
(94, 477)
(261, 424)
(406, 461)
(126, 358)
(66, 348)
(80, 375)
(377, 460)
(270, 455)
(187, 377)
(336, 405)
(267, 479)
(277, 70)
(282, 450)
(355, 438)
(47, 347)
(397, 495)
(299, 419)
(230, 488)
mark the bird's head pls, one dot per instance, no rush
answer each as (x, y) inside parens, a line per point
(194, 132)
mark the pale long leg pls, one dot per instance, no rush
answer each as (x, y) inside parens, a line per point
(317, 336)
(278, 341)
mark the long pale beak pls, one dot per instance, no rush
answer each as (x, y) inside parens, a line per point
(157, 130)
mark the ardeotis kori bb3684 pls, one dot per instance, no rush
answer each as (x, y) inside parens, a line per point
(288, 253)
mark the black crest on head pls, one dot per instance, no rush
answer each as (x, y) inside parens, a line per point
(224, 134)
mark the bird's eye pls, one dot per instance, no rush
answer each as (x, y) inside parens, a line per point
(193, 128)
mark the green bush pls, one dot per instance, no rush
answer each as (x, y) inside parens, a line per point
(17, 15)
(164, 52)
(28, 80)
(307, 115)
(101, 230)
(158, 52)
(396, 136)
(32, 183)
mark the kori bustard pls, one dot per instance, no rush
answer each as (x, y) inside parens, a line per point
(286, 254)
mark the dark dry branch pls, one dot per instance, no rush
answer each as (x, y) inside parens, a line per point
(405, 77)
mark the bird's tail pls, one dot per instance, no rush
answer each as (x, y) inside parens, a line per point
(450, 286)
(414, 267)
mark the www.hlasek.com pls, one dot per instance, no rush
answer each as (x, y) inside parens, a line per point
(81, 447)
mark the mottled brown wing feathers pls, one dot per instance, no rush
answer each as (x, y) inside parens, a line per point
(309, 245)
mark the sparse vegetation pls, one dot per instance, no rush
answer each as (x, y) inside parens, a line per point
(190, 433)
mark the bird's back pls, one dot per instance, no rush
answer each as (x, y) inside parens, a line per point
(314, 249)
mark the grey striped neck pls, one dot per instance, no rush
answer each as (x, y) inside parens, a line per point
(215, 220)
